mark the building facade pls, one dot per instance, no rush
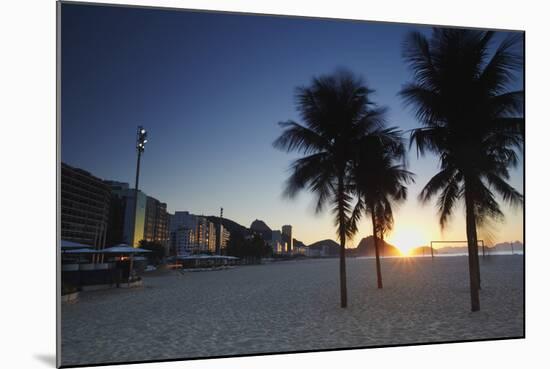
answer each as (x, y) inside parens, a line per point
(85, 202)
(222, 239)
(206, 235)
(287, 237)
(204, 232)
(156, 221)
(132, 225)
(149, 222)
(183, 241)
(276, 242)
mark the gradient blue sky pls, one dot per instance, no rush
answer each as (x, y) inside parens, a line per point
(210, 89)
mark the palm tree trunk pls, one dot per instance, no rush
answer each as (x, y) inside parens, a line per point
(376, 249)
(477, 257)
(473, 260)
(343, 285)
(342, 233)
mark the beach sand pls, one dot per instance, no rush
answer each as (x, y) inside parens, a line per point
(293, 306)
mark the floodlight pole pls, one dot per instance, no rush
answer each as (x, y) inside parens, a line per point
(136, 196)
(140, 147)
(219, 239)
(141, 140)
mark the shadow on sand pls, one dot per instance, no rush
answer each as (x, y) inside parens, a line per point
(48, 359)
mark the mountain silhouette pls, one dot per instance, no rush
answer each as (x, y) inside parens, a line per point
(366, 248)
(331, 247)
(230, 225)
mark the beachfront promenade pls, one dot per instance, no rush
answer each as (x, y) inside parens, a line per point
(293, 306)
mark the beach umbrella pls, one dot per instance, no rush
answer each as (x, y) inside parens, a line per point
(124, 249)
(184, 257)
(81, 251)
(73, 245)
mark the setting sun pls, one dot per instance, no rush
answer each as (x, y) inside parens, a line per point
(407, 237)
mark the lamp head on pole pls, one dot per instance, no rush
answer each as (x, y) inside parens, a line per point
(141, 139)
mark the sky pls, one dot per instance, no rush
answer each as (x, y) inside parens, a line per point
(210, 89)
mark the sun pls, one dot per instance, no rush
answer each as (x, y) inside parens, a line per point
(407, 237)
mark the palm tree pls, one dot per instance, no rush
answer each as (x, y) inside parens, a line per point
(336, 114)
(379, 179)
(472, 121)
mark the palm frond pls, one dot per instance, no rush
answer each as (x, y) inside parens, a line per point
(507, 105)
(436, 184)
(299, 138)
(499, 71)
(417, 54)
(427, 139)
(427, 103)
(508, 193)
(448, 199)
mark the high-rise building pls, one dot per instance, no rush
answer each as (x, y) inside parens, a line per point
(156, 221)
(117, 210)
(276, 242)
(133, 222)
(204, 231)
(85, 202)
(149, 222)
(183, 241)
(182, 219)
(222, 239)
(206, 235)
(287, 237)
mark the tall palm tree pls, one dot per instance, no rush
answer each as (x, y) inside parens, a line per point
(472, 120)
(379, 180)
(336, 114)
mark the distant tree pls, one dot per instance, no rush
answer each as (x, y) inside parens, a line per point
(158, 251)
(243, 247)
(236, 244)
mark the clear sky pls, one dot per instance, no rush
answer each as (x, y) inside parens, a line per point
(210, 89)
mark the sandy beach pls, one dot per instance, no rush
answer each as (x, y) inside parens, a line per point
(293, 306)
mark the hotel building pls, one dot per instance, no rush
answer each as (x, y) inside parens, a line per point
(287, 237)
(156, 221)
(85, 202)
(200, 232)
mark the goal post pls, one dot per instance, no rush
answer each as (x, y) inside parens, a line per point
(454, 241)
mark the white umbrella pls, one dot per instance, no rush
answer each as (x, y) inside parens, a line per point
(81, 251)
(123, 249)
(184, 257)
(73, 245)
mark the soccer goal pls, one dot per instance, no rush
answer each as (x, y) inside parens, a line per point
(479, 243)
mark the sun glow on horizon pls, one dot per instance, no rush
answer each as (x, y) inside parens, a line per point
(408, 237)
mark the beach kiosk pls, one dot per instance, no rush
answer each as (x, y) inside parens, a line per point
(122, 251)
